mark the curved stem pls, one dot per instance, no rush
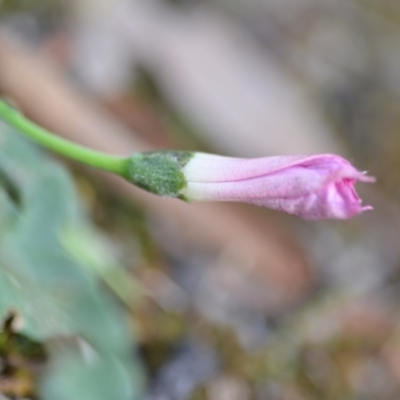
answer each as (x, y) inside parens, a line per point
(64, 147)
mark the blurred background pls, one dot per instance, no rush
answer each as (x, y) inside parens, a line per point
(230, 302)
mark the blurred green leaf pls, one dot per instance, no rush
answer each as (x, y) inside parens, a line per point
(74, 378)
(54, 293)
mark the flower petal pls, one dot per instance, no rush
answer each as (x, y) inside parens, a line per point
(213, 168)
(311, 187)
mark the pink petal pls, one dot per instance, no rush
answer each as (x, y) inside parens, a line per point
(311, 187)
(213, 168)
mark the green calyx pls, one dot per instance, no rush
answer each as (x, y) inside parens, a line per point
(159, 172)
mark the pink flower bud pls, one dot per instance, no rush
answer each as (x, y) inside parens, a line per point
(311, 187)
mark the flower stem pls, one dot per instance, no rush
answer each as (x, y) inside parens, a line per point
(12, 117)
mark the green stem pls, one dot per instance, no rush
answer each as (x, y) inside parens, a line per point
(117, 165)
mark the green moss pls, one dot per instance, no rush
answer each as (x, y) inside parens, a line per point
(159, 172)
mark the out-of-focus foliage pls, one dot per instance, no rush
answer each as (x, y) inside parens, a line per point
(46, 286)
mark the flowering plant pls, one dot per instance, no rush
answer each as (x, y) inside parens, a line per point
(311, 187)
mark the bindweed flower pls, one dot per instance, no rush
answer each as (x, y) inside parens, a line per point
(311, 187)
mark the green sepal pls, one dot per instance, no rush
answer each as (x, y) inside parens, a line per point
(159, 172)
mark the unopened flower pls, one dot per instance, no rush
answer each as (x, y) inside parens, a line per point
(311, 187)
